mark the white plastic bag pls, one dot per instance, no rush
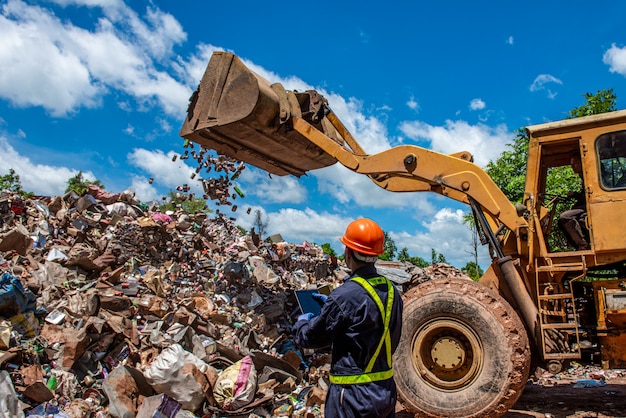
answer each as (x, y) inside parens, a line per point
(9, 403)
(262, 272)
(172, 373)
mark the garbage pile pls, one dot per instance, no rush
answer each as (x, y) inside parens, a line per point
(109, 308)
(579, 375)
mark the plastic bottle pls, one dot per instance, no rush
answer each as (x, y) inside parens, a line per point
(239, 192)
(52, 383)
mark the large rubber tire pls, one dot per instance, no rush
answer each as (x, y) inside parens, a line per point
(464, 351)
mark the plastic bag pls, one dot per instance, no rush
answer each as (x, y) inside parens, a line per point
(175, 373)
(14, 299)
(236, 385)
(262, 272)
(9, 403)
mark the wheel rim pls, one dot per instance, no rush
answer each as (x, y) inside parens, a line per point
(447, 354)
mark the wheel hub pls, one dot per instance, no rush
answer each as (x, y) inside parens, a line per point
(447, 353)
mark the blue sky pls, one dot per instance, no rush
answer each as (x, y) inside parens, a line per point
(102, 86)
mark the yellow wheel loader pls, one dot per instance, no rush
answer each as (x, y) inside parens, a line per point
(467, 346)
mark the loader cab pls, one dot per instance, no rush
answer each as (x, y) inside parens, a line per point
(561, 197)
(599, 141)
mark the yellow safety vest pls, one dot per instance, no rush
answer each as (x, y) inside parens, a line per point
(369, 376)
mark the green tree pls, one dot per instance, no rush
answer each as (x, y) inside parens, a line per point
(328, 249)
(390, 249)
(436, 257)
(79, 184)
(509, 170)
(601, 102)
(12, 183)
(403, 255)
(473, 270)
(418, 261)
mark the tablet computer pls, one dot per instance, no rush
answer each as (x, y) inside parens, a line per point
(307, 303)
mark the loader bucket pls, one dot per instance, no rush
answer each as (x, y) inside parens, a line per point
(238, 113)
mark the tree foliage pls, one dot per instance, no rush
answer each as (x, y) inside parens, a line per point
(473, 270)
(79, 184)
(601, 102)
(326, 247)
(436, 257)
(403, 255)
(12, 183)
(509, 170)
(390, 249)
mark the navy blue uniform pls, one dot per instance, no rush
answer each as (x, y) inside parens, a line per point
(351, 322)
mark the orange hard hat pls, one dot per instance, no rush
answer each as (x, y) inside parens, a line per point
(364, 236)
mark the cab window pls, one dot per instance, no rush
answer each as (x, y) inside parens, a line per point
(611, 150)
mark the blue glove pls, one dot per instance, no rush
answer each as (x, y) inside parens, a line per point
(305, 316)
(318, 296)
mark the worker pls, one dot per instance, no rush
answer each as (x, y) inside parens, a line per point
(361, 320)
(570, 220)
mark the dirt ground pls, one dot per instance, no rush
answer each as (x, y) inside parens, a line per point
(564, 398)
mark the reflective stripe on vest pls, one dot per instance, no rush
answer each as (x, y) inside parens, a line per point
(369, 376)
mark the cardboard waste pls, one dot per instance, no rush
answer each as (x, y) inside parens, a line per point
(109, 308)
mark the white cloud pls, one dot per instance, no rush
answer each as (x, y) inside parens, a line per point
(90, 3)
(509, 40)
(348, 188)
(368, 130)
(157, 34)
(164, 171)
(307, 224)
(543, 81)
(27, 42)
(130, 130)
(477, 104)
(484, 142)
(191, 69)
(412, 104)
(277, 189)
(81, 65)
(447, 234)
(615, 58)
(144, 191)
(297, 226)
(41, 179)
